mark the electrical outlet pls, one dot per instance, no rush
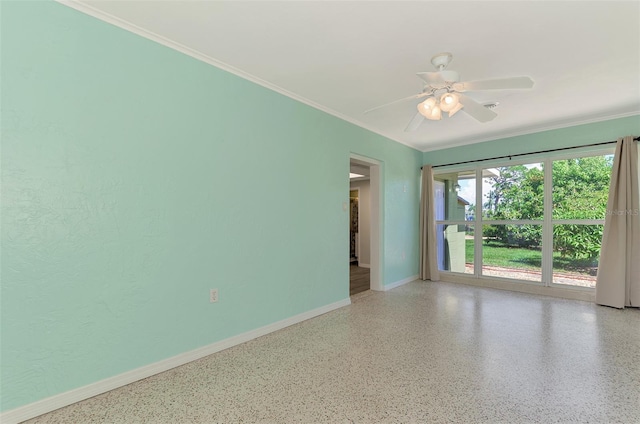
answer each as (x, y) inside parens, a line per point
(213, 295)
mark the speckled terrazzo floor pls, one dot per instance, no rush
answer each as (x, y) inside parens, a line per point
(421, 353)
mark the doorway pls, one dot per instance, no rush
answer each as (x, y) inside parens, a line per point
(359, 231)
(364, 224)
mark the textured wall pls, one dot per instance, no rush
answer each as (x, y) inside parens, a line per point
(135, 178)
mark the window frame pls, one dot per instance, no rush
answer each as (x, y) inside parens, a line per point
(547, 222)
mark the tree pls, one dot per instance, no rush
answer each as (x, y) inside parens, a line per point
(517, 194)
(580, 191)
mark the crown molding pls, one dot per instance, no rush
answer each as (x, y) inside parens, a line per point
(82, 7)
(167, 42)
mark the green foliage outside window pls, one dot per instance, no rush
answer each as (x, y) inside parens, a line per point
(580, 191)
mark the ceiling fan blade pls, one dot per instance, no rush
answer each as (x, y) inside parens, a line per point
(439, 79)
(415, 123)
(494, 84)
(476, 110)
(415, 96)
(431, 77)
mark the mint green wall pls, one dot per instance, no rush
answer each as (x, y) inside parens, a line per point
(135, 178)
(596, 132)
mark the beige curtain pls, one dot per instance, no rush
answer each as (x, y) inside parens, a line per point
(618, 281)
(428, 252)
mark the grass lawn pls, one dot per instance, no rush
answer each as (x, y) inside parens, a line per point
(498, 254)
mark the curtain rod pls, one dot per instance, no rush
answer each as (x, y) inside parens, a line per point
(530, 153)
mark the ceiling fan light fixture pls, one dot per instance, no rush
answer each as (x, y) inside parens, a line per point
(429, 104)
(429, 109)
(449, 101)
(442, 91)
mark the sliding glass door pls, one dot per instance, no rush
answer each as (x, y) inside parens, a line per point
(536, 221)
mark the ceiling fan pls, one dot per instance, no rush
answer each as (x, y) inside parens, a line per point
(444, 93)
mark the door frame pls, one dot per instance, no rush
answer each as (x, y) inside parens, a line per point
(376, 213)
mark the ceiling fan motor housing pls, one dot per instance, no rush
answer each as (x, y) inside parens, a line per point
(441, 60)
(450, 76)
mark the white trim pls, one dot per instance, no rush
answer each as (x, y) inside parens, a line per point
(547, 227)
(52, 403)
(135, 29)
(452, 222)
(477, 241)
(361, 265)
(400, 282)
(376, 214)
(546, 222)
(577, 293)
(583, 152)
(495, 222)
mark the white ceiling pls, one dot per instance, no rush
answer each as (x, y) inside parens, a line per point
(347, 57)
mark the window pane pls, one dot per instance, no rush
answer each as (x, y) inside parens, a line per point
(581, 187)
(576, 251)
(513, 192)
(512, 251)
(455, 248)
(455, 196)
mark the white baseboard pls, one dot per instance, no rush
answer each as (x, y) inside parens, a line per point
(400, 283)
(361, 265)
(52, 403)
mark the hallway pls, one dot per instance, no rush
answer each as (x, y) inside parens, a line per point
(359, 279)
